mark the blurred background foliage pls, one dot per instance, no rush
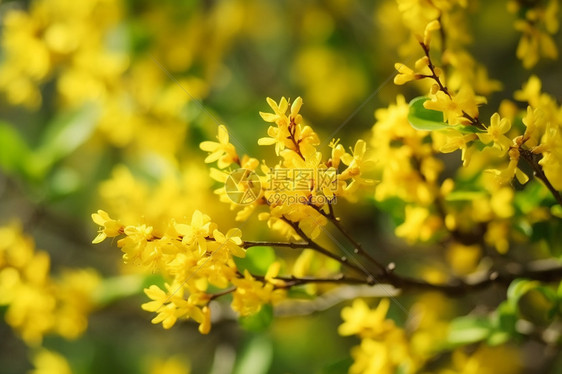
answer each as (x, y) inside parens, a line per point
(104, 103)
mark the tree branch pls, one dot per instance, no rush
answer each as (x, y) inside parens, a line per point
(358, 248)
(538, 270)
(311, 244)
(533, 160)
(249, 244)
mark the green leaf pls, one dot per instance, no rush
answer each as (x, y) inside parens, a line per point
(116, 288)
(498, 338)
(259, 321)
(421, 118)
(464, 195)
(256, 357)
(340, 366)
(14, 150)
(425, 119)
(506, 317)
(518, 288)
(63, 136)
(257, 260)
(64, 181)
(469, 329)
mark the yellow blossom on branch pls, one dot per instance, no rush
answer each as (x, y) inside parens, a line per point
(222, 151)
(496, 133)
(109, 227)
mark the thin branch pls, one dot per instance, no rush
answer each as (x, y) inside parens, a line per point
(533, 160)
(474, 121)
(457, 287)
(292, 281)
(249, 244)
(318, 248)
(292, 130)
(358, 248)
(221, 293)
(340, 279)
(546, 271)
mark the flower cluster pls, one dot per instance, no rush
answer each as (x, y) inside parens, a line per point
(194, 257)
(301, 186)
(81, 53)
(384, 347)
(469, 217)
(387, 348)
(38, 304)
(537, 22)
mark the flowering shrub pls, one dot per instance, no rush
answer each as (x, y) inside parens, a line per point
(443, 261)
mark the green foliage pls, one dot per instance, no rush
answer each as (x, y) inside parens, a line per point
(257, 260)
(527, 299)
(117, 288)
(15, 151)
(425, 119)
(259, 321)
(256, 356)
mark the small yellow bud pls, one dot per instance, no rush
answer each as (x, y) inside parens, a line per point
(432, 26)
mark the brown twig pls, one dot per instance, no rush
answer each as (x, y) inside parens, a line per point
(533, 160)
(318, 248)
(358, 248)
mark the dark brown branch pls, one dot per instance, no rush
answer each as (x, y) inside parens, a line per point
(433, 75)
(538, 270)
(318, 248)
(533, 160)
(292, 130)
(474, 121)
(458, 287)
(249, 244)
(358, 248)
(221, 293)
(292, 281)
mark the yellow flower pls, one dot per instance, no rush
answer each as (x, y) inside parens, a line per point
(279, 111)
(222, 151)
(455, 106)
(171, 306)
(463, 258)
(419, 224)
(362, 321)
(405, 74)
(205, 325)
(456, 140)
(137, 244)
(197, 233)
(431, 26)
(251, 294)
(171, 365)
(486, 360)
(356, 164)
(495, 133)
(109, 227)
(530, 92)
(289, 132)
(388, 355)
(442, 102)
(231, 242)
(158, 296)
(497, 235)
(49, 362)
(506, 175)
